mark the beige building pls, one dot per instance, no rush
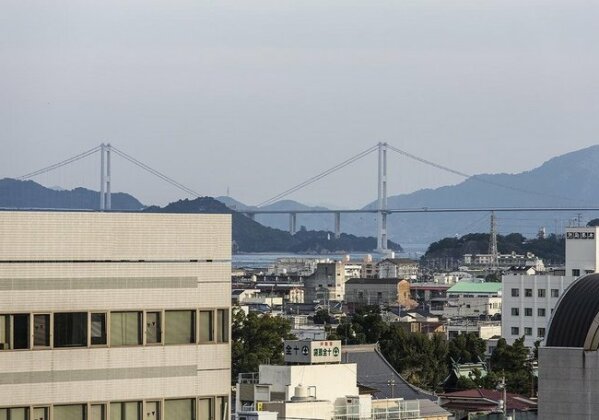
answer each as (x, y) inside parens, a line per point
(114, 316)
(378, 292)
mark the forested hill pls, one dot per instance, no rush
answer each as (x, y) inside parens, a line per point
(251, 236)
(550, 249)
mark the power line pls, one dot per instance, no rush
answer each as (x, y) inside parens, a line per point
(156, 173)
(59, 164)
(319, 176)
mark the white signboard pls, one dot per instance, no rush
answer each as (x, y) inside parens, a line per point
(311, 352)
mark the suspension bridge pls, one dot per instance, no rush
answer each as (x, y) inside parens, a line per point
(381, 209)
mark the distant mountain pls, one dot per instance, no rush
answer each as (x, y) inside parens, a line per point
(248, 235)
(29, 194)
(564, 181)
(251, 236)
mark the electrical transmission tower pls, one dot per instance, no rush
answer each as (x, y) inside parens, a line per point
(493, 241)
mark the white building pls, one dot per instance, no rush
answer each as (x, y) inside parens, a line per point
(505, 260)
(529, 301)
(114, 315)
(402, 268)
(473, 299)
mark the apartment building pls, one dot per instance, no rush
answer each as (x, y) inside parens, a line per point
(118, 316)
(529, 300)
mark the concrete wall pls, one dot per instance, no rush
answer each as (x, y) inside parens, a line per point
(568, 384)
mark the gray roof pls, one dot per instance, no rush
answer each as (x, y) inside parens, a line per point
(390, 281)
(376, 372)
(574, 313)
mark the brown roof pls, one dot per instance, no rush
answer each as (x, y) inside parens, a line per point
(485, 399)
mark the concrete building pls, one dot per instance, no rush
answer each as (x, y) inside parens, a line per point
(505, 260)
(316, 385)
(402, 268)
(326, 284)
(114, 315)
(473, 299)
(569, 360)
(359, 292)
(528, 302)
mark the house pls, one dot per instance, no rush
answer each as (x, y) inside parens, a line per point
(488, 402)
(399, 268)
(473, 299)
(389, 292)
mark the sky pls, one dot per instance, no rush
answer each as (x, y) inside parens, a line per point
(254, 97)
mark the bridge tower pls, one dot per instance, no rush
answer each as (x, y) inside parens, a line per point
(105, 195)
(382, 201)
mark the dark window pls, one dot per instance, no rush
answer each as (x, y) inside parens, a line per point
(541, 293)
(153, 330)
(541, 332)
(206, 327)
(222, 324)
(554, 293)
(70, 329)
(527, 331)
(541, 311)
(21, 331)
(515, 311)
(576, 272)
(515, 292)
(515, 331)
(527, 311)
(528, 292)
(41, 330)
(98, 329)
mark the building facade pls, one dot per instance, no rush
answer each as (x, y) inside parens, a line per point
(473, 299)
(114, 316)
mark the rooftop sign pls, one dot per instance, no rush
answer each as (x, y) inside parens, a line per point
(312, 352)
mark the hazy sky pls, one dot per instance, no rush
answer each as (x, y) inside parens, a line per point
(259, 95)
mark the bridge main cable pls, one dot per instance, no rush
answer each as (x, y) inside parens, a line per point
(59, 164)
(319, 176)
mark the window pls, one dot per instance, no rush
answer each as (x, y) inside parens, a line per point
(527, 311)
(515, 311)
(528, 292)
(70, 329)
(541, 293)
(515, 331)
(575, 272)
(527, 331)
(179, 409)
(41, 330)
(554, 293)
(98, 329)
(515, 292)
(152, 410)
(130, 410)
(540, 311)
(41, 413)
(97, 412)
(206, 409)
(222, 325)
(153, 328)
(540, 332)
(19, 413)
(14, 331)
(125, 330)
(69, 412)
(222, 409)
(206, 327)
(179, 328)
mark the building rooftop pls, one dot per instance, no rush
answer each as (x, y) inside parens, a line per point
(472, 287)
(574, 316)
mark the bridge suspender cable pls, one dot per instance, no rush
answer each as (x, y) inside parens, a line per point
(156, 173)
(59, 164)
(319, 176)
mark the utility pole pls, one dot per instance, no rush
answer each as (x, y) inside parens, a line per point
(382, 199)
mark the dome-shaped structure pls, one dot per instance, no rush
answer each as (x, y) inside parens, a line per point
(575, 320)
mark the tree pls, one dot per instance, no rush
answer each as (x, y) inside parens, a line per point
(321, 317)
(515, 362)
(466, 348)
(257, 340)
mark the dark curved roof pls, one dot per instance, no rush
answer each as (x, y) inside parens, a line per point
(574, 313)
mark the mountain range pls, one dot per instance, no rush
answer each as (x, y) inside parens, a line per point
(568, 180)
